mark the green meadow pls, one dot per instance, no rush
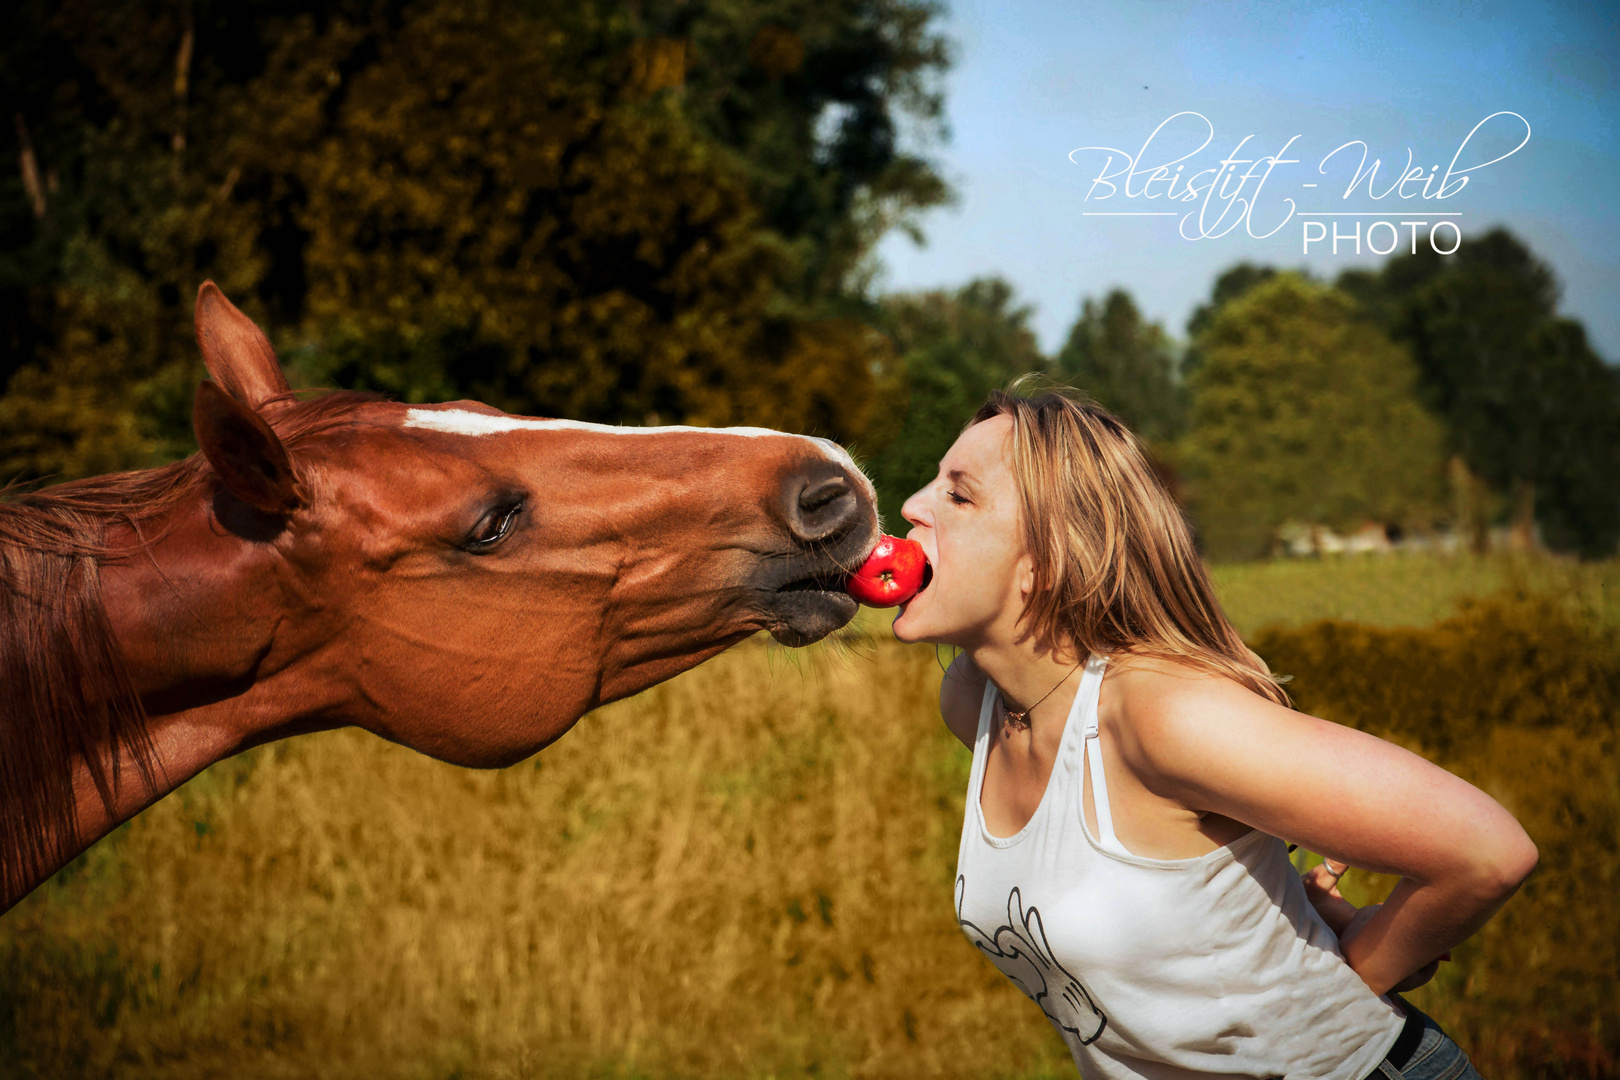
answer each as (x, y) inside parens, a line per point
(746, 872)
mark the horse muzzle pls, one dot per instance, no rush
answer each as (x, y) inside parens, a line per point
(832, 524)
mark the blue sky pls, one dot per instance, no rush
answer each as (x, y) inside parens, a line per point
(1033, 81)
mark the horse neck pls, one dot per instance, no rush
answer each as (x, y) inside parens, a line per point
(189, 608)
(128, 664)
(202, 618)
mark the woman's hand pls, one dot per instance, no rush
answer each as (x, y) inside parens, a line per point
(1346, 920)
(1322, 890)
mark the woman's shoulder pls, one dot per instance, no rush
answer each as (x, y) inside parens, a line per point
(1158, 675)
(1150, 700)
(1157, 672)
(961, 696)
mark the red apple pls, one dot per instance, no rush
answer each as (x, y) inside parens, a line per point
(891, 575)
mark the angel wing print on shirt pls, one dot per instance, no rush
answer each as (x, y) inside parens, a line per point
(1021, 951)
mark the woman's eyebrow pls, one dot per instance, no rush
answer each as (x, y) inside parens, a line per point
(957, 476)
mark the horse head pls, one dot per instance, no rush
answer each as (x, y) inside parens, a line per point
(460, 580)
(468, 582)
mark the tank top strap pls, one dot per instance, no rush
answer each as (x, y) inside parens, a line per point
(986, 707)
(981, 742)
(1085, 703)
(1086, 695)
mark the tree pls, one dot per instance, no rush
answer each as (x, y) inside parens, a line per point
(1577, 492)
(1303, 410)
(954, 348)
(91, 238)
(612, 211)
(1232, 283)
(811, 98)
(1531, 409)
(1127, 364)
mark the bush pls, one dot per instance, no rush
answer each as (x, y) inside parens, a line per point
(1519, 696)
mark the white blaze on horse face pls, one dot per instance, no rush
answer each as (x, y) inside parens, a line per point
(463, 422)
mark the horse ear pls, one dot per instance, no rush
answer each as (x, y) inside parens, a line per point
(238, 355)
(247, 455)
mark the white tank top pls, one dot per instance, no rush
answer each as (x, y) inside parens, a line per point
(1160, 968)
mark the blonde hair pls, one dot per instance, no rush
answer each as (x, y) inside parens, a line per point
(1116, 571)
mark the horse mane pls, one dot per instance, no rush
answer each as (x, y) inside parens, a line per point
(66, 693)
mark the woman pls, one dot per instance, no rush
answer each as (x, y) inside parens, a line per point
(1137, 773)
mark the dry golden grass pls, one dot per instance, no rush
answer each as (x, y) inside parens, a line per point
(745, 872)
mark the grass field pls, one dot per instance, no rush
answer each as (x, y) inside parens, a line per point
(745, 872)
(1405, 588)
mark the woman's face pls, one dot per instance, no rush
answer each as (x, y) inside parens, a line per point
(967, 521)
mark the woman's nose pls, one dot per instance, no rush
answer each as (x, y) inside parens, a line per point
(912, 509)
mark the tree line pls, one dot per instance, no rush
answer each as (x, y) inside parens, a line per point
(665, 211)
(1434, 392)
(658, 210)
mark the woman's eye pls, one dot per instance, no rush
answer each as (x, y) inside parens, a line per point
(496, 524)
(955, 498)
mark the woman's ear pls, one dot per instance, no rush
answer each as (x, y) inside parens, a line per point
(251, 461)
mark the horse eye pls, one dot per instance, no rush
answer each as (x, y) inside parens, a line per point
(494, 526)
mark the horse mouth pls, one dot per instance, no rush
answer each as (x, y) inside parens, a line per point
(803, 610)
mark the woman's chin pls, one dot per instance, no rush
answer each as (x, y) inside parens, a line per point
(908, 627)
(902, 627)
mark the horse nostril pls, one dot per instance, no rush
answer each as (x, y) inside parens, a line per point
(822, 508)
(815, 496)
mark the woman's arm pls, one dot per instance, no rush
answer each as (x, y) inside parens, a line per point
(1346, 920)
(1212, 745)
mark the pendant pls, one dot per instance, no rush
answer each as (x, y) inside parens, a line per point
(1011, 718)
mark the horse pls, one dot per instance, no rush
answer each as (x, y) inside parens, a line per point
(463, 581)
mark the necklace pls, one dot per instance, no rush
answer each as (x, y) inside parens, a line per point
(1020, 719)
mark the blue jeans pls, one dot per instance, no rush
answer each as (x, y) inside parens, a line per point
(1435, 1058)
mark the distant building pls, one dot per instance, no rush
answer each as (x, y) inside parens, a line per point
(1298, 539)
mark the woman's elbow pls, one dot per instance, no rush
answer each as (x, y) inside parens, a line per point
(1521, 861)
(1507, 863)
